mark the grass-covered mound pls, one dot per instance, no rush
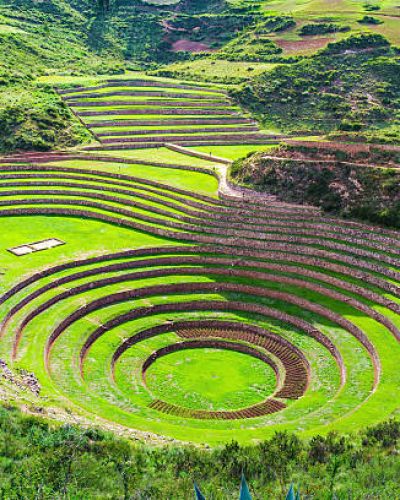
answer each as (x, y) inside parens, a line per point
(73, 462)
(38, 39)
(36, 119)
(351, 85)
(351, 180)
(253, 44)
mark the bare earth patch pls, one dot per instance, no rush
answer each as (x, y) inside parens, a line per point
(308, 44)
(189, 46)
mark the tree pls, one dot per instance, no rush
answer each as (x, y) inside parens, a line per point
(104, 5)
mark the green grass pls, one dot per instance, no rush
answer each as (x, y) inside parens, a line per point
(83, 238)
(201, 183)
(202, 378)
(195, 128)
(124, 88)
(155, 116)
(232, 152)
(210, 379)
(89, 81)
(159, 155)
(216, 69)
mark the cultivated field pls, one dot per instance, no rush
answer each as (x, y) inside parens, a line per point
(180, 306)
(141, 113)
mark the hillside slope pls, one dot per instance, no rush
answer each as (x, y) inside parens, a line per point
(350, 180)
(351, 85)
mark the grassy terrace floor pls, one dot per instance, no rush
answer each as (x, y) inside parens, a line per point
(175, 312)
(134, 113)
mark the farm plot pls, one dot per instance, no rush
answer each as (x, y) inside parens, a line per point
(297, 313)
(148, 113)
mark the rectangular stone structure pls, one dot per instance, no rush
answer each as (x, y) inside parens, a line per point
(37, 246)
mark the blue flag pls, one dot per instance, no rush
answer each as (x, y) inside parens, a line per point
(244, 490)
(197, 493)
(290, 495)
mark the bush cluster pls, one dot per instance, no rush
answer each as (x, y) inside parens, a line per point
(322, 29)
(39, 460)
(350, 85)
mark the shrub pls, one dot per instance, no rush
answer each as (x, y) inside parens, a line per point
(35, 118)
(370, 20)
(322, 28)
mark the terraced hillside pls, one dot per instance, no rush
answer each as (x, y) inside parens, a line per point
(137, 113)
(171, 311)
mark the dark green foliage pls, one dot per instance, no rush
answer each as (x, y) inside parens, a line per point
(336, 181)
(370, 20)
(322, 28)
(253, 44)
(366, 41)
(350, 85)
(202, 6)
(39, 460)
(371, 8)
(36, 119)
(386, 434)
(209, 28)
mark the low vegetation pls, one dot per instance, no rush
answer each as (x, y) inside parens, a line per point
(183, 298)
(71, 462)
(34, 118)
(350, 85)
(352, 181)
(322, 29)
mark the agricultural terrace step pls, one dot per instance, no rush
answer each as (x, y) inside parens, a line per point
(143, 93)
(160, 103)
(116, 147)
(297, 369)
(233, 213)
(167, 122)
(161, 111)
(257, 275)
(148, 253)
(186, 142)
(44, 307)
(290, 244)
(141, 83)
(85, 198)
(326, 162)
(217, 287)
(195, 130)
(204, 305)
(189, 137)
(197, 154)
(50, 158)
(202, 202)
(241, 233)
(242, 208)
(354, 147)
(303, 210)
(265, 408)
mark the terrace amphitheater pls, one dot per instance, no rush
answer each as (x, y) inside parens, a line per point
(313, 298)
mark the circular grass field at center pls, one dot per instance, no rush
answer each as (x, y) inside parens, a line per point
(210, 379)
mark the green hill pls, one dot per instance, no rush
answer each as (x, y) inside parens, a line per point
(350, 85)
(200, 252)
